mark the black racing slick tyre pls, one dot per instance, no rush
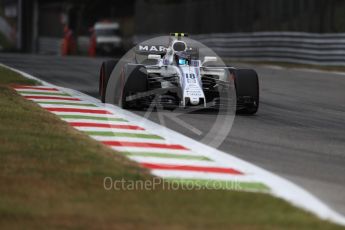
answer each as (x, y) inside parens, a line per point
(247, 91)
(104, 75)
(134, 82)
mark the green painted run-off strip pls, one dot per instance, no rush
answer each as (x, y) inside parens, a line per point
(166, 155)
(220, 185)
(44, 93)
(92, 118)
(121, 134)
(66, 103)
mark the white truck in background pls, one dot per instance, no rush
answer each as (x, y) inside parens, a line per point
(105, 39)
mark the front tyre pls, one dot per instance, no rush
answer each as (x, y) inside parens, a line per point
(104, 76)
(134, 81)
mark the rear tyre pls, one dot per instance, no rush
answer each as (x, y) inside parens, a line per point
(247, 91)
(104, 76)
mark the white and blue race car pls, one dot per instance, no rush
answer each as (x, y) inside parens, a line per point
(174, 76)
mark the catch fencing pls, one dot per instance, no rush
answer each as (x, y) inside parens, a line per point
(295, 47)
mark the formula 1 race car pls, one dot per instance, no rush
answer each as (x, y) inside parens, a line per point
(174, 76)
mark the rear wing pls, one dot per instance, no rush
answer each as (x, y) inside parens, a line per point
(144, 49)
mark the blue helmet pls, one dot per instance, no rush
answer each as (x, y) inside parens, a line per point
(182, 58)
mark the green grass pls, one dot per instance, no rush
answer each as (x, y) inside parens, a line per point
(51, 177)
(11, 78)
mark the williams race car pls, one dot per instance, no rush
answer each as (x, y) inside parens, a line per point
(174, 76)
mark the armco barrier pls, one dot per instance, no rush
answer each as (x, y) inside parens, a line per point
(296, 47)
(47, 45)
(52, 45)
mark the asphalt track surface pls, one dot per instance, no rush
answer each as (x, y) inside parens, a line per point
(298, 133)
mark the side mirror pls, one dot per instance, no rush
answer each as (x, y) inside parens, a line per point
(209, 59)
(154, 56)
